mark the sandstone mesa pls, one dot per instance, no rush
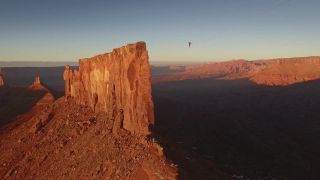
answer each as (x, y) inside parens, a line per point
(117, 83)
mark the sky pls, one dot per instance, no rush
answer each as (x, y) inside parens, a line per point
(67, 30)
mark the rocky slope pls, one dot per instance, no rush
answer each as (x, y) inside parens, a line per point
(118, 83)
(274, 72)
(66, 141)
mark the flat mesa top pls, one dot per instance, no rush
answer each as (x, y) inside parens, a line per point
(138, 46)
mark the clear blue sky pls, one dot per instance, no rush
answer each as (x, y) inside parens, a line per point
(64, 30)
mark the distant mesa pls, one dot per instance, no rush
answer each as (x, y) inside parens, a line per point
(273, 72)
(118, 83)
(2, 82)
(282, 72)
(177, 68)
(37, 85)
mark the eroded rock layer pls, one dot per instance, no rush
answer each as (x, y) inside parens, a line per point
(273, 72)
(118, 83)
(287, 71)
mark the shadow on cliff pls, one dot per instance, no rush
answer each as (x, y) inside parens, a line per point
(214, 129)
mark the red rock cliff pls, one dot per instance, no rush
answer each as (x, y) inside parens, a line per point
(1, 78)
(117, 83)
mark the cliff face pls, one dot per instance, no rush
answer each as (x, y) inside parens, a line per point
(1, 78)
(117, 83)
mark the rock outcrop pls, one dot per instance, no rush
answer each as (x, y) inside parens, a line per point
(2, 83)
(37, 80)
(37, 85)
(117, 83)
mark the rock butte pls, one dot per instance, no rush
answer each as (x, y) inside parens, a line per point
(2, 83)
(37, 85)
(117, 83)
(274, 72)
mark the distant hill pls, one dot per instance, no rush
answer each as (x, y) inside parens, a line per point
(36, 63)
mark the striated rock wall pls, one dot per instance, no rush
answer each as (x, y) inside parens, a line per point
(117, 83)
(2, 83)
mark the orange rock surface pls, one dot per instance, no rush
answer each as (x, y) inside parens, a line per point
(286, 71)
(97, 131)
(63, 140)
(118, 83)
(273, 72)
(1, 78)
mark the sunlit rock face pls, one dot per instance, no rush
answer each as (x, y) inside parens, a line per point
(117, 83)
(1, 78)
